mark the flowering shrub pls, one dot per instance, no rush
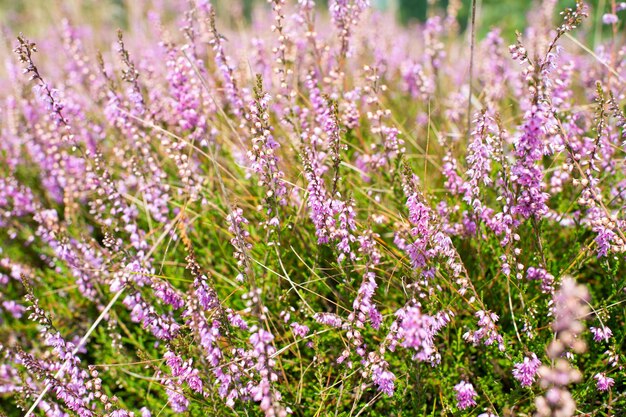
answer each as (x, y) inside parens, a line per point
(318, 213)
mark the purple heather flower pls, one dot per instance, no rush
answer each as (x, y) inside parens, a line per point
(418, 83)
(540, 274)
(416, 331)
(363, 304)
(262, 155)
(328, 319)
(345, 14)
(487, 331)
(376, 318)
(261, 358)
(236, 320)
(237, 226)
(177, 401)
(604, 383)
(450, 170)
(609, 19)
(183, 371)
(599, 334)
(526, 371)
(465, 395)
(194, 382)
(15, 309)
(383, 379)
(167, 293)
(527, 172)
(334, 219)
(479, 155)
(232, 93)
(299, 329)
(120, 413)
(570, 307)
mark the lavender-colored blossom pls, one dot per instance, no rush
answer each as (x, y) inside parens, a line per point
(609, 19)
(529, 149)
(603, 382)
(363, 304)
(383, 379)
(299, 330)
(601, 333)
(416, 331)
(418, 83)
(479, 157)
(328, 319)
(113, 171)
(345, 14)
(188, 97)
(237, 226)
(334, 219)
(262, 357)
(540, 274)
(232, 93)
(526, 371)
(465, 395)
(570, 307)
(262, 155)
(13, 308)
(487, 332)
(177, 401)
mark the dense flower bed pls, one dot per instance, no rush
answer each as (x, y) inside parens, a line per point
(319, 213)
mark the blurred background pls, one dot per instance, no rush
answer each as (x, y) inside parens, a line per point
(510, 15)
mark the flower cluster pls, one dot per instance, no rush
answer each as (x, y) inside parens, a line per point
(570, 307)
(465, 395)
(526, 371)
(274, 208)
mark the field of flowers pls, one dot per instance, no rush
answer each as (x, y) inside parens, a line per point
(319, 212)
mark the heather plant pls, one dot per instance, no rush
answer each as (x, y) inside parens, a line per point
(319, 212)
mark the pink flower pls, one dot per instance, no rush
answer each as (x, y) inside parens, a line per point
(487, 331)
(526, 371)
(465, 395)
(417, 330)
(328, 319)
(609, 19)
(299, 329)
(384, 380)
(604, 383)
(599, 334)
